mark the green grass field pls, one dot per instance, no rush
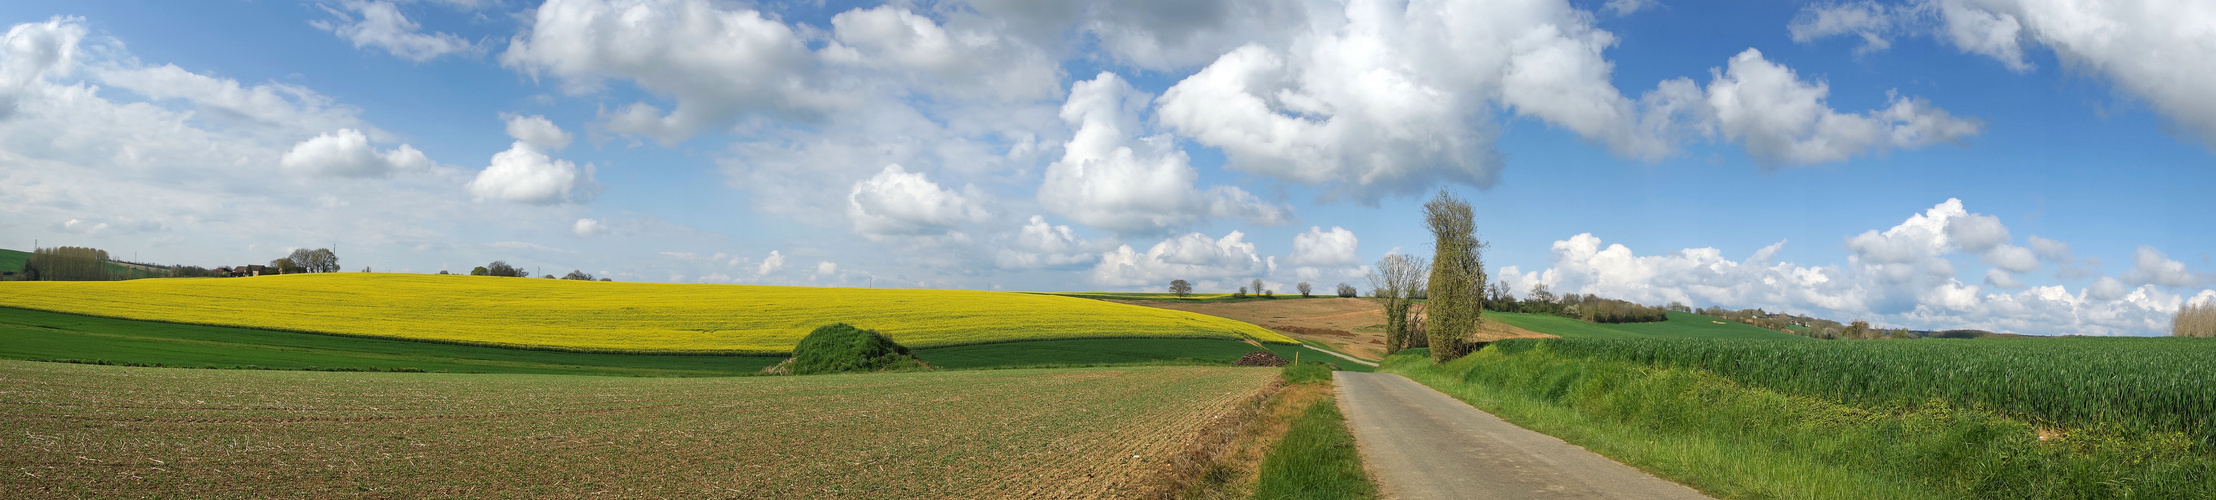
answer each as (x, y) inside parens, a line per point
(1680, 326)
(39, 335)
(11, 260)
(2030, 418)
(101, 431)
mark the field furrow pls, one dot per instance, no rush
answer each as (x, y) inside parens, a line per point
(1099, 432)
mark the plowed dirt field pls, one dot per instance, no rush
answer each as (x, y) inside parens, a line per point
(79, 430)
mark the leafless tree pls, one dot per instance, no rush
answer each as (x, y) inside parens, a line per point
(1181, 288)
(1396, 279)
(2195, 320)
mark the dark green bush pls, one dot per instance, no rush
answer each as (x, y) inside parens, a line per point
(842, 348)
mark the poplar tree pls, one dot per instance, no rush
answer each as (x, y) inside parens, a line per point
(1457, 276)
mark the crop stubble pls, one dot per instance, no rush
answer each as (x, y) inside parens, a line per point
(1101, 432)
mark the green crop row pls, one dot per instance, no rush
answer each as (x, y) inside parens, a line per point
(2133, 384)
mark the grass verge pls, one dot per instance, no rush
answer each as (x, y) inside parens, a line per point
(1294, 445)
(1737, 441)
(1316, 458)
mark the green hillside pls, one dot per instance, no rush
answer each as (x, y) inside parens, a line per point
(1680, 325)
(11, 260)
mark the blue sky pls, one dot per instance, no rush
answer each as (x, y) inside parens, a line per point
(1925, 164)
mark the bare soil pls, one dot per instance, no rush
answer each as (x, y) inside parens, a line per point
(1353, 326)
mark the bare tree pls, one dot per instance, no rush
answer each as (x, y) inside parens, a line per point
(1396, 279)
(2195, 320)
(1457, 276)
(1181, 288)
(1305, 290)
(1257, 286)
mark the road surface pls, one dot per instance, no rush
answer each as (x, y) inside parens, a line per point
(1342, 356)
(1420, 444)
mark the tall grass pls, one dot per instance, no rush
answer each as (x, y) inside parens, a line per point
(2195, 320)
(2137, 384)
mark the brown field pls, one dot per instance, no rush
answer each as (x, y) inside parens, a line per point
(78, 430)
(1353, 326)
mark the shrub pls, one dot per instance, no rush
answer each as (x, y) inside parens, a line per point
(1347, 291)
(842, 348)
(1241, 294)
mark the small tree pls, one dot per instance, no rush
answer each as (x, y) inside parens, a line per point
(1396, 278)
(1857, 330)
(1305, 289)
(577, 275)
(1257, 286)
(480, 271)
(286, 266)
(1181, 288)
(1241, 294)
(501, 268)
(1269, 294)
(1347, 291)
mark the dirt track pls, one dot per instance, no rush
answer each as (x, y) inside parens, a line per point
(1418, 443)
(1353, 326)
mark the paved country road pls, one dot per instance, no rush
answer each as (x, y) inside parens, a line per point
(1421, 444)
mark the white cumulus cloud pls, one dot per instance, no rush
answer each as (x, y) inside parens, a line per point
(538, 130)
(1194, 257)
(1040, 245)
(1111, 178)
(1785, 121)
(524, 174)
(347, 153)
(1900, 276)
(1318, 247)
(896, 202)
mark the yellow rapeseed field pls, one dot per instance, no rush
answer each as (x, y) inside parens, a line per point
(610, 316)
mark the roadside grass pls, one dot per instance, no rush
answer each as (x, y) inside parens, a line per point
(44, 336)
(1317, 457)
(1733, 440)
(99, 431)
(1311, 372)
(1680, 325)
(612, 317)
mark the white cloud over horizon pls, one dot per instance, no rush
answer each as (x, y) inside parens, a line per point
(1902, 276)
